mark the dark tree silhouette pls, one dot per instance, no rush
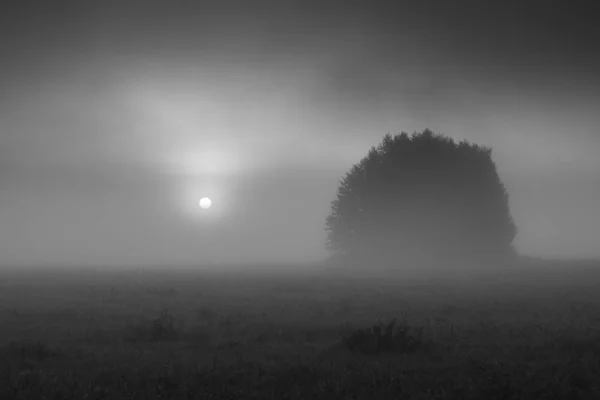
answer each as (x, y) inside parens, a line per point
(421, 197)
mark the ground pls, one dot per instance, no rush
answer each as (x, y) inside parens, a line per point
(532, 333)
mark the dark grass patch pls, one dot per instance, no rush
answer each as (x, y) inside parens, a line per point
(25, 350)
(388, 337)
(164, 327)
(161, 291)
(470, 380)
(207, 316)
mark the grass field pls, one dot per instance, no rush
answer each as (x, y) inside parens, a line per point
(532, 333)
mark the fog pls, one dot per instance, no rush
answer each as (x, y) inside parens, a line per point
(116, 119)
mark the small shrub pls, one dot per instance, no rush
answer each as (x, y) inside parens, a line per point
(163, 327)
(206, 315)
(385, 338)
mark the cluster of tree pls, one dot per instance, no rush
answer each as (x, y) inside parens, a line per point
(421, 197)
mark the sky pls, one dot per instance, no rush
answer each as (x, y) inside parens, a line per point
(116, 117)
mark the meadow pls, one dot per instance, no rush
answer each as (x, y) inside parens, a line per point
(531, 332)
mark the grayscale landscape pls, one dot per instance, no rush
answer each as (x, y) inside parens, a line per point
(311, 199)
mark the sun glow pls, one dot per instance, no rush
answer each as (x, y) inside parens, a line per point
(205, 203)
(189, 135)
(208, 162)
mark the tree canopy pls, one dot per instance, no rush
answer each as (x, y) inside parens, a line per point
(421, 196)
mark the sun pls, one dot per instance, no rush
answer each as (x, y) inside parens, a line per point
(205, 203)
